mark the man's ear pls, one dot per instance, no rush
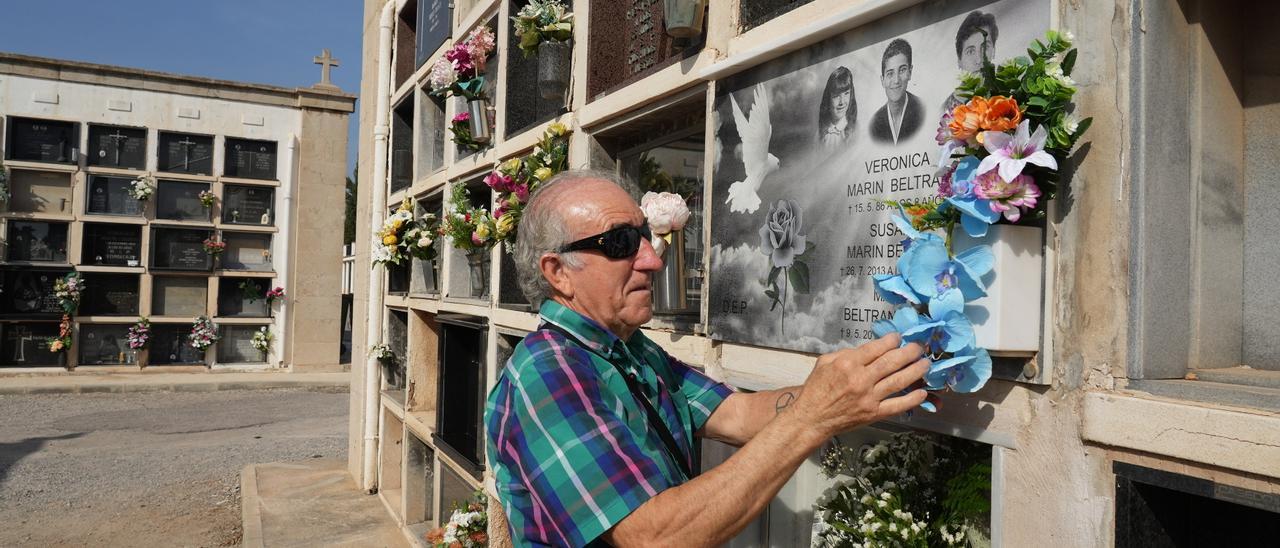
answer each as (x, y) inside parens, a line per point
(556, 273)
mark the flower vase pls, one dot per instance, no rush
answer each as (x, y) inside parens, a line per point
(1007, 321)
(683, 18)
(478, 269)
(669, 289)
(479, 120)
(555, 62)
(435, 275)
(140, 357)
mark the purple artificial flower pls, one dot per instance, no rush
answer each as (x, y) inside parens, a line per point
(1007, 197)
(1012, 153)
(461, 117)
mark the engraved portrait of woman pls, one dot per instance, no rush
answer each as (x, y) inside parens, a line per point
(838, 110)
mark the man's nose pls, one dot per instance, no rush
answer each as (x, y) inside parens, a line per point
(647, 259)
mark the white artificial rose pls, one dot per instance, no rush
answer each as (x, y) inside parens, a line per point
(666, 212)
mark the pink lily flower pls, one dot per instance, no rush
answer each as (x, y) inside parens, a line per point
(1011, 153)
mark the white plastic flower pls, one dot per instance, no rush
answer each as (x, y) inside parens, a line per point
(665, 211)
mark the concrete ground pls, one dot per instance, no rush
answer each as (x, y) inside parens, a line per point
(312, 503)
(150, 468)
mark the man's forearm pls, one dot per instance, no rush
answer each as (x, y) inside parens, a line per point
(741, 417)
(713, 507)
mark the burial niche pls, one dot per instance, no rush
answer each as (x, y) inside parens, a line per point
(109, 195)
(36, 140)
(117, 146)
(179, 296)
(180, 201)
(37, 241)
(105, 244)
(250, 159)
(105, 344)
(248, 205)
(180, 249)
(185, 153)
(109, 294)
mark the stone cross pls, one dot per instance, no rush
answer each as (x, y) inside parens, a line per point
(325, 60)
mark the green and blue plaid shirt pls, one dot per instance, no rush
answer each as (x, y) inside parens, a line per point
(570, 446)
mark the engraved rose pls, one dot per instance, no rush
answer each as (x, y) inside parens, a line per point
(780, 237)
(781, 240)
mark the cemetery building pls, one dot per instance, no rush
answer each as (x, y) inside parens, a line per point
(254, 169)
(1135, 389)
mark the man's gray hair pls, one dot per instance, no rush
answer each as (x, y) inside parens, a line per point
(544, 229)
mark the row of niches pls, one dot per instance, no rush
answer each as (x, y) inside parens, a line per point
(122, 245)
(47, 192)
(127, 147)
(657, 157)
(28, 294)
(25, 344)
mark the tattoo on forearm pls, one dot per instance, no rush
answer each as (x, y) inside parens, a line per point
(783, 401)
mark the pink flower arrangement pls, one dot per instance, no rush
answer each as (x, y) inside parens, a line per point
(139, 334)
(462, 117)
(459, 71)
(273, 294)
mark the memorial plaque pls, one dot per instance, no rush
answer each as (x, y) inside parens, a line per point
(111, 245)
(114, 146)
(26, 344)
(243, 297)
(402, 145)
(39, 192)
(170, 346)
(248, 205)
(34, 140)
(110, 196)
(28, 293)
(37, 241)
(236, 345)
(250, 159)
(180, 201)
(105, 344)
(109, 294)
(246, 251)
(179, 296)
(185, 153)
(435, 19)
(180, 249)
(820, 116)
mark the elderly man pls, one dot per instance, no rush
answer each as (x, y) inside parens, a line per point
(591, 424)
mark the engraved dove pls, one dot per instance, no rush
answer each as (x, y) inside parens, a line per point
(756, 159)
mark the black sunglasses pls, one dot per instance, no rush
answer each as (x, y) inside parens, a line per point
(615, 243)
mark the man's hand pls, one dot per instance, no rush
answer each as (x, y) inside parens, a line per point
(857, 386)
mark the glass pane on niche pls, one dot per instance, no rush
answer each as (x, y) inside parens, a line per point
(250, 159)
(398, 340)
(675, 167)
(26, 344)
(180, 249)
(185, 153)
(240, 297)
(248, 205)
(179, 296)
(34, 140)
(169, 346)
(754, 13)
(105, 344)
(109, 294)
(115, 146)
(453, 488)
(425, 274)
(110, 196)
(431, 133)
(246, 251)
(39, 192)
(37, 241)
(180, 201)
(28, 293)
(111, 245)
(459, 421)
(236, 345)
(402, 145)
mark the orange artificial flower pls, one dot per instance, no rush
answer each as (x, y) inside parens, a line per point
(980, 114)
(479, 537)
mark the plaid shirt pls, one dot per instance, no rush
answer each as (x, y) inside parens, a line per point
(570, 446)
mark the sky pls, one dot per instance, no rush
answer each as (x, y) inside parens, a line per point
(259, 41)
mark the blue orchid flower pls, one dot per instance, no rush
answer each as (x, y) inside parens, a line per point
(945, 329)
(975, 213)
(965, 371)
(930, 271)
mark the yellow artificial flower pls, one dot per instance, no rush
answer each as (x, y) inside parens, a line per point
(510, 166)
(557, 129)
(543, 173)
(389, 239)
(505, 224)
(482, 230)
